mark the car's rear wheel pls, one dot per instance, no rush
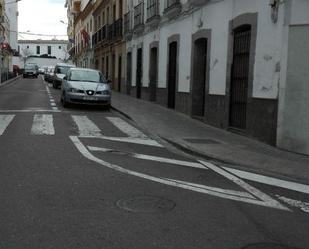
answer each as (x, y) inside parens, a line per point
(54, 85)
(63, 101)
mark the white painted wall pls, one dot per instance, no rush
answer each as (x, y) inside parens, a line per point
(12, 14)
(60, 53)
(216, 16)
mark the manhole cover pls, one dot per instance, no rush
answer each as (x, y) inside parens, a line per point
(146, 204)
(201, 141)
(268, 246)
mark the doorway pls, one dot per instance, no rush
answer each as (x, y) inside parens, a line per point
(139, 71)
(129, 72)
(240, 77)
(172, 74)
(199, 77)
(153, 73)
(119, 73)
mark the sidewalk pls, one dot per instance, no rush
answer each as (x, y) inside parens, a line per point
(209, 142)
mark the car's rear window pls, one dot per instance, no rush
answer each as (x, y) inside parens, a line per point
(62, 70)
(89, 76)
(30, 67)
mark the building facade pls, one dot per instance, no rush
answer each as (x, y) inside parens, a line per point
(41, 48)
(108, 42)
(223, 62)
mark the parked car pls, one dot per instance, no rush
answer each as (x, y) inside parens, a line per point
(59, 72)
(48, 76)
(30, 70)
(85, 86)
(41, 70)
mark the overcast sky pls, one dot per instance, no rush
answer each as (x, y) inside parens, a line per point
(42, 17)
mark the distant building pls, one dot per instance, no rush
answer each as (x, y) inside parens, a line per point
(41, 48)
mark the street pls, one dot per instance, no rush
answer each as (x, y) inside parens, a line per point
(84, 177)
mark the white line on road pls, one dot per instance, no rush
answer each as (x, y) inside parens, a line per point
(189, 186)
(304, 206)
(126, 128)
(5, 120)
(148, 142)
(43, 125)
(270, 180)
(85, 126)
(254, 191)
(28, 110)
(155, 158)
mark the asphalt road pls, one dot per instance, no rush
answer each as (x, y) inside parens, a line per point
(88, 178)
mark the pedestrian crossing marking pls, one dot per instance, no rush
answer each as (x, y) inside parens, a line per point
(126, 128)
(85, 126)
(43, 125)
(5, 120)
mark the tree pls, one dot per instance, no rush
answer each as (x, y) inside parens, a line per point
(25, 54)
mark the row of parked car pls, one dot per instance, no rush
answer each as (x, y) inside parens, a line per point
(79, 85)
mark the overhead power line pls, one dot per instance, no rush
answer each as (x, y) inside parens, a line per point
(29, 33)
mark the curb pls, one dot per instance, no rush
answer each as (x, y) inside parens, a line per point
(10, 81)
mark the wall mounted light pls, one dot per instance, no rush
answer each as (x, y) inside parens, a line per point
(274, 4)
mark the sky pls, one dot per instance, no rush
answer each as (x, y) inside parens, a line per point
(42, 17)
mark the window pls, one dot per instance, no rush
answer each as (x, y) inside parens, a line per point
(37, 49)
(90, 25)
(107, 15)
(49, 50)
(27, 46)
(59, 47)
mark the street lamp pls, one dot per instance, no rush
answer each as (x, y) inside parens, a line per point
(61, 21)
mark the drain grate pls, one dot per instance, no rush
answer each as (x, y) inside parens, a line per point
(146, 204)
(268, 246)
(201, 141)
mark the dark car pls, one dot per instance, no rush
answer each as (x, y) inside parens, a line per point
(59, 72)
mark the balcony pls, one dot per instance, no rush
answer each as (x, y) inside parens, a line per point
(114, 31)
(152, 9)
(197, 3)
(153, 15)
(139, 15)
(139, 18)
(172, 8)
(127, 26)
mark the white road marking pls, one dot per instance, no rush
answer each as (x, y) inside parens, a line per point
(55, 108)
(148, 142)
(43, 125)
(155, 158)
(126, 128)
(254, 191)
(85, 126)
(5, 120)
(270, 180)
(28, 110)
(189, 186)
(52, 104)
(304, 206)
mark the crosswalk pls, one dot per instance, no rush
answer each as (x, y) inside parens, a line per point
(84, 126)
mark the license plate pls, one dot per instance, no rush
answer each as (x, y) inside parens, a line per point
(90, 98)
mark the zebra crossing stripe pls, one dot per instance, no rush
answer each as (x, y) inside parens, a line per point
(5, 120)
(43, 125)
(85, 126)
(126, 128)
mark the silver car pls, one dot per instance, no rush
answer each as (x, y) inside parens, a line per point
(85, 86)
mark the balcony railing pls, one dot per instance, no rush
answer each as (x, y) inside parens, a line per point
(139, 14)
(152, 9)
(127, 23)
(172, 3)
(114, 30)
